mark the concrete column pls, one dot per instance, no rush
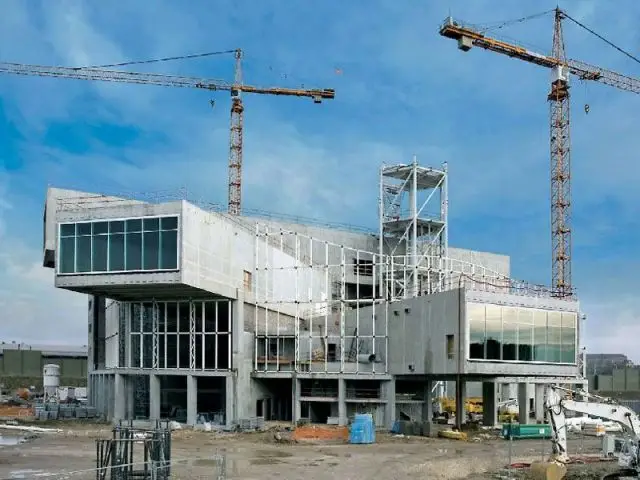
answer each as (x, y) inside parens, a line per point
(120, 398)
(390, 406)
(130, 390)
(112, 397)
(427, 406)
(539, 402)
(229, 410)
(154, 397)
(192, 399)
(342, 404)
(297, 404)
(523, 404)
(461, 395)
(489, 404)
(242, 361)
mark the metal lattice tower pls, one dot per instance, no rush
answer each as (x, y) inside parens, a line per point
(413, 208)
(560, 167)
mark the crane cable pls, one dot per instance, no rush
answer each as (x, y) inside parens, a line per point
(157, 60)
(611, 44)
(517, 20)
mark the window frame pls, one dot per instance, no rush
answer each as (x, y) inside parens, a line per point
(532, 309)
(178, 231)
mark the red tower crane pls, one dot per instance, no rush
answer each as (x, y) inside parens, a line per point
(558, 98)
(235, 88)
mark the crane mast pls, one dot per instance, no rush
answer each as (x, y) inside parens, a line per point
(235, 88)
(560, 133)
(560, 144)
(235, 141)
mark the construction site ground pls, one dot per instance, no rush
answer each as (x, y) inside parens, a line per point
(270, 455)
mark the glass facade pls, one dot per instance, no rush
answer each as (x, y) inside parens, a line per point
(504, 333)
(194, 335)
(131, 245)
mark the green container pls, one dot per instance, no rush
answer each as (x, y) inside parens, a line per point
(519, 431)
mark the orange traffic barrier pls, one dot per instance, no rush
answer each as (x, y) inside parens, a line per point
(321, 432)
(15, 411)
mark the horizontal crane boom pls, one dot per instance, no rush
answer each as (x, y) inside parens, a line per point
(156, 79)
(468, 37)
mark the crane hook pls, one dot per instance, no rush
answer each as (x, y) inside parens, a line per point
(586, 108)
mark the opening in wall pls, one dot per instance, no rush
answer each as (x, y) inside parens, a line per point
(450, 347)
(248, 281)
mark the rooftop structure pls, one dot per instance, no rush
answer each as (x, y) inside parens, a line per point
(194, 311)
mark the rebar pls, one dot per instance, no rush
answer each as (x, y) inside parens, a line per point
(117, 456)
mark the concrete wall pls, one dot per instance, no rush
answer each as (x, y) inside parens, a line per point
(112, 334)
(418, 334)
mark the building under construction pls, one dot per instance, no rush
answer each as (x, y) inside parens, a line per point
(200, 315)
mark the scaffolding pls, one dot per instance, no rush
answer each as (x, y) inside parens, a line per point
(413, 207)
(318, 306)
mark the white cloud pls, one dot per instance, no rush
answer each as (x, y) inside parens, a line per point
(613, 325)
(31, 310)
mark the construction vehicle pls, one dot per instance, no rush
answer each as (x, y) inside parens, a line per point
(559, 401)
(508, 410)
(446, 407)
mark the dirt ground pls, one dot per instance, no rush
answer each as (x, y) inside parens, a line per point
(260, 456)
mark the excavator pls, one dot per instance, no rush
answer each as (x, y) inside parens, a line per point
(558, 401)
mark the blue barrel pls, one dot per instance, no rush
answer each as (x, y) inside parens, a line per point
(363, 429)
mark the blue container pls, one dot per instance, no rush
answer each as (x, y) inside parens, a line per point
(362, 429)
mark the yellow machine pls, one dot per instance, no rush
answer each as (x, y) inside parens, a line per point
(446, 406)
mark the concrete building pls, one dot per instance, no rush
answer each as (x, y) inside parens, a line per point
(196, 312)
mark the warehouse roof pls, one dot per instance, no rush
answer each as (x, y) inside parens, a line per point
(48, 350)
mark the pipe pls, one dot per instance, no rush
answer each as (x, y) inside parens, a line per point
(366, 358)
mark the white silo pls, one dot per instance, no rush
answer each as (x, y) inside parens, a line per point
(51, 379)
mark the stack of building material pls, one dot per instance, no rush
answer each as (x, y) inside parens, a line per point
(252, 423)
(321, 433)
(363, 429)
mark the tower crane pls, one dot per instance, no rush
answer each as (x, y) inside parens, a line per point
(558, 98)
(235, 88)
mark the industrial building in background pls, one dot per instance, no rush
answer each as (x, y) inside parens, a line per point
(22, 365)
(196, 314)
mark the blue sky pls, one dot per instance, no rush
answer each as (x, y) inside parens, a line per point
(403, 90)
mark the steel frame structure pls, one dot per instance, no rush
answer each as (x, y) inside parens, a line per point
(411, 230)
(326, 299)
(128, 350)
